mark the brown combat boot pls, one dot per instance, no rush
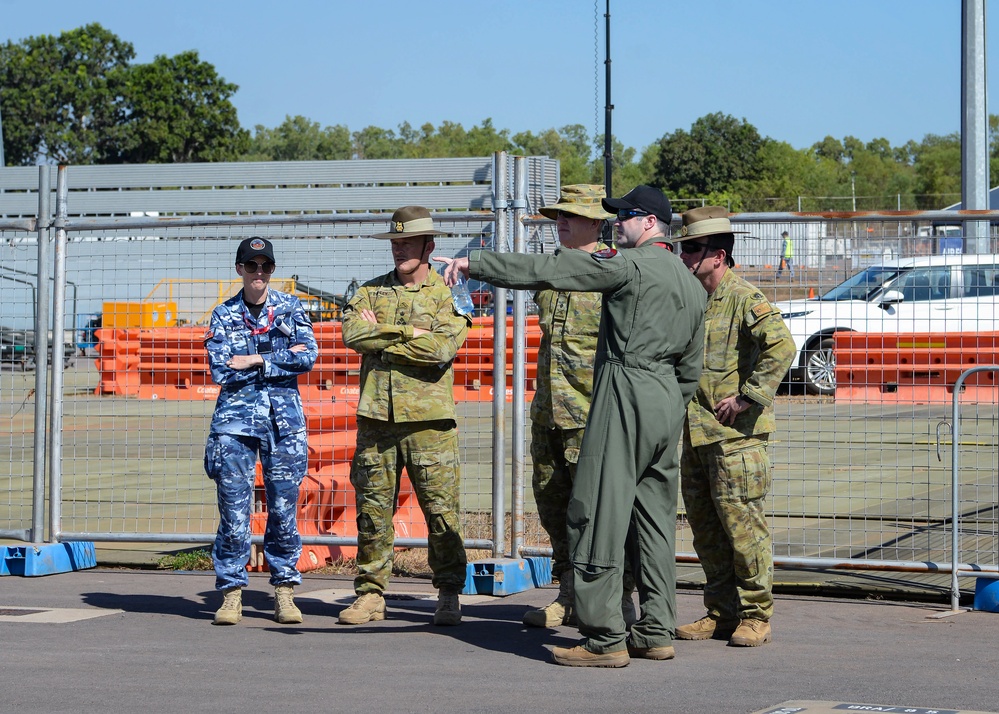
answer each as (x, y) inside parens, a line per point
(448, 607)
(285, 610)
(560, 612)
(707, 628)
(231, 611)
(660, 653)
(368, 607)
(579, 656)
(751, 633)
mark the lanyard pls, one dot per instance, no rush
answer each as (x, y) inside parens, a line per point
(254, 330)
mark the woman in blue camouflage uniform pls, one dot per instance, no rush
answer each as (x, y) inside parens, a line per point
(258, 342)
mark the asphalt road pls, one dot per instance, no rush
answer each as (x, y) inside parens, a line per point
(124, 641)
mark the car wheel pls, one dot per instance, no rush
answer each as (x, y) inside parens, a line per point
(820, 367)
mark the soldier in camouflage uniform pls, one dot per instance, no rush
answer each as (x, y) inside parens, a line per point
(258, 342)
(649, 355)
(569, 325)
(408, 331)
(724, 470)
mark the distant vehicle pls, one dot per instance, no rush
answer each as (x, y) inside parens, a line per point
(939, 293)
(15, 349)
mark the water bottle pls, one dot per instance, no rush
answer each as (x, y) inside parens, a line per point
(462, 298)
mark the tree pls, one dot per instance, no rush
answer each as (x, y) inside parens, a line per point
(299, 139)
(373, 142)
(61, 96)
(76, 99)
(570, 145)
(938, 170)
(718, 151)
(179, 111)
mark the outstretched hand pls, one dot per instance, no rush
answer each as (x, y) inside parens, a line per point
(455, 267)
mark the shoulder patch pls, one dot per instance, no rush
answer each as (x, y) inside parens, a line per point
(605, 254)
(209, 334)
(761, 309)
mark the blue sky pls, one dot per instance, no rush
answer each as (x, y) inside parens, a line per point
(798, 70)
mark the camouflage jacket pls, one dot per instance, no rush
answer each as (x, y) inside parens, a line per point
(405, 378)
(747, 350)
(570, 323)
(252, 400)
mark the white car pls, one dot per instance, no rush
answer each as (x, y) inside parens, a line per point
(938, 293)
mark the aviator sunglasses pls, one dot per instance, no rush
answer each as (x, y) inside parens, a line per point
(252, 266)
(691, 247)
(628, 213)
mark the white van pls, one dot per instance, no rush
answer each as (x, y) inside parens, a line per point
(938, 293)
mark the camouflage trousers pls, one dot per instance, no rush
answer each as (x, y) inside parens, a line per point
(554, 453)
(231, 462)
(429, 453)
(724, 487)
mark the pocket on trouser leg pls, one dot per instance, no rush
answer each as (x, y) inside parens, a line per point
(364, 470)
(213, 457)
(755, 473)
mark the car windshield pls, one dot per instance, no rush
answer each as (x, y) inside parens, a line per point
(862, 286)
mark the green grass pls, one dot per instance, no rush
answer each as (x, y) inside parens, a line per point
(199, 559)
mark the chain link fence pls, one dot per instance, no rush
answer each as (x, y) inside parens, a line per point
(858, 482)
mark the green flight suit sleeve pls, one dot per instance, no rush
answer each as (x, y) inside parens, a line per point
(573, 270)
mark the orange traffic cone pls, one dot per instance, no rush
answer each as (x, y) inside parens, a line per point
(811, 293)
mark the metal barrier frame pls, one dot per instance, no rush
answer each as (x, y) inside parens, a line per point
(508, 215)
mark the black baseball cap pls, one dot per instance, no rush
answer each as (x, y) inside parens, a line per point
(642, 198)
(251, 247)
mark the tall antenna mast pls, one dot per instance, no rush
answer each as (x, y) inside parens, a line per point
(608, 108)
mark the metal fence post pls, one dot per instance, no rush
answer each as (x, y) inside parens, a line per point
(58, 359)
(519, 356)
(41, 356)
(955, 483)
(499, 360)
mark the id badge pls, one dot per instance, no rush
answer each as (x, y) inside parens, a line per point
(264, 345)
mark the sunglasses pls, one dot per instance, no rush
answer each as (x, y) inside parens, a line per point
(252, 266)
(690, 247)
(628, 214)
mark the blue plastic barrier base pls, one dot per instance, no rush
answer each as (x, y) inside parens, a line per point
(47, 558)
(987, 594)
(506, 576)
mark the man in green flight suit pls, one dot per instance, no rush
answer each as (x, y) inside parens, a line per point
(724, 470)
(569, 324)
(648, 360)
(406, 327)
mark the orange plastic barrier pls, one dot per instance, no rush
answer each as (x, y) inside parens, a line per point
(171, 363)
(117, 361)
(918, 368)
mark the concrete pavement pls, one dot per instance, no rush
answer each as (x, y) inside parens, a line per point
(107, 640)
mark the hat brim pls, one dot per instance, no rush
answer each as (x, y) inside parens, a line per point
(390, 236)
(592, 212)
(613, 205)
(681, 239)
